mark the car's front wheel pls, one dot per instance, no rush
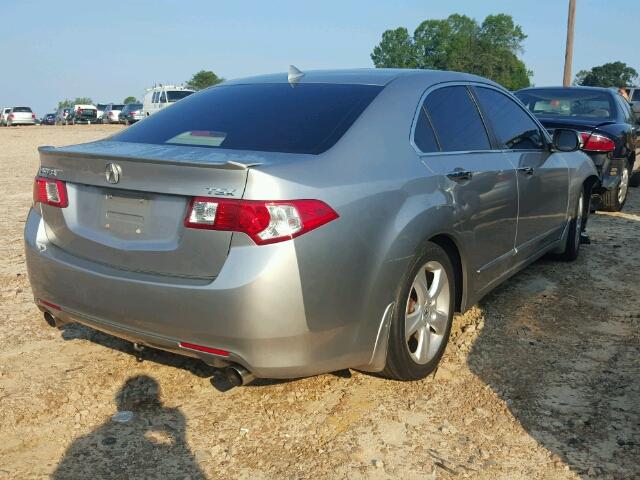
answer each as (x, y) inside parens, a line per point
(422, 317)
(614, 200)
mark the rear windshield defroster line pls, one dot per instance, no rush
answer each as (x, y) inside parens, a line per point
(304, 118)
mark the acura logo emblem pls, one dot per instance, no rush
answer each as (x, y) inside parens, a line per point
(112, 172)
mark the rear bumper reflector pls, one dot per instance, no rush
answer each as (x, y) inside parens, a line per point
(53, 306)
(201, 348)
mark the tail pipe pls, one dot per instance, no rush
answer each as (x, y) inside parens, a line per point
(50, 319)
(237, 375)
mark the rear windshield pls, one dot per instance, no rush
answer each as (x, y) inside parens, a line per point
(117, 107)
(305, 118)
(101, 107)
(87, 112)
(175, 95)
(574, 103)
(21, 109)
(134, 106)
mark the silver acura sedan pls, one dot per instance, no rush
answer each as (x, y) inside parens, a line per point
(289, 225)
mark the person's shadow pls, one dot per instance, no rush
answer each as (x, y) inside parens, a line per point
(142, 440)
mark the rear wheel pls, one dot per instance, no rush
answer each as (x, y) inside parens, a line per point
(614, 200)
(422, 317)
(572, 247)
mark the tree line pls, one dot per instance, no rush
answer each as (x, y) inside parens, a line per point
(490, 49)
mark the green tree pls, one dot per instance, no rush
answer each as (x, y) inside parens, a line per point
(459, 43)
(67, 103)
(130, 99)
(203, 79)
(613, 74)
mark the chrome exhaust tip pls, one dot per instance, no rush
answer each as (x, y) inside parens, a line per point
(237, 375)
(50, 319)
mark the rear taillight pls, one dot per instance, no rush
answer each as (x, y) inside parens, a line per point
(265, 221)
(10, 116)
(50, 192)
(33, 115)
(594, 142)
(111, 114)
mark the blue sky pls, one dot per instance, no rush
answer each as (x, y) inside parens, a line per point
(111, 49)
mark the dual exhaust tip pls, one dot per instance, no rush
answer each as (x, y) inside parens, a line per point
(235, 374)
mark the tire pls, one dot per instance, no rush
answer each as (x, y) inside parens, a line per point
(420, 304)
(572, 248)
(634, 180)
(614, 200)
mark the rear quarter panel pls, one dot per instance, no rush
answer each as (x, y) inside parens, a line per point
(351, 268)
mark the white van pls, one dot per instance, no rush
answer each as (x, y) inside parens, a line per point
(160, 96)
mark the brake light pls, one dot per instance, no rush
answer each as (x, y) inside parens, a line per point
(33, 115)
(594, 142)
(111, 114)
(265, 221)
(10, 116)
(50, 192)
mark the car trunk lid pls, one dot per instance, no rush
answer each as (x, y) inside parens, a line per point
(127, 204)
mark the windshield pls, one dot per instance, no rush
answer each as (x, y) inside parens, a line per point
(270, 117)
(21, 109)
(568, 102)
(175, 95)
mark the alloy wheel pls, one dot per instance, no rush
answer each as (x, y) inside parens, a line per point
(427, 312)
(624, 186)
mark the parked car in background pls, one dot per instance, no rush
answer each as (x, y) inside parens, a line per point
(284, 232)
(48, 119)
(20, 116)
(112, 113)
(160, 96)
(3, 116)
(634, 100)
(101, 108)
(61, 115)
(608, 129)
(131, 113)
(80, 114)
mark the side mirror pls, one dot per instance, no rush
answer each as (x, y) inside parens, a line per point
(565, 140)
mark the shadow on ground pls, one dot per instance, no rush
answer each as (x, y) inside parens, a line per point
(143, 436)
(561, 346)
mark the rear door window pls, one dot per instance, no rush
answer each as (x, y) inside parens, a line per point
(423, 135)
(513, 127)
(456, 120)
(270, 117)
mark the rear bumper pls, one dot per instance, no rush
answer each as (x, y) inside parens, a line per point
(23, 121)
(253, 309)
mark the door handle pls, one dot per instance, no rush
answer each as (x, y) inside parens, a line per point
(459, 175)
(527, 170)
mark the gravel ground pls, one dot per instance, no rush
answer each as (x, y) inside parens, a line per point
(541, 380)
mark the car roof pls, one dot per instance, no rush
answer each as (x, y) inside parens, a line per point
(364, 76)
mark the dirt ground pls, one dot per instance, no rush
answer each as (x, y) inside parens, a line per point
(540, 381)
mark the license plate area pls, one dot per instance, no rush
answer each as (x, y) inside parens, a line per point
(125, 214)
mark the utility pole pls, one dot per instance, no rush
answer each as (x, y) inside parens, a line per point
(568, 55)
